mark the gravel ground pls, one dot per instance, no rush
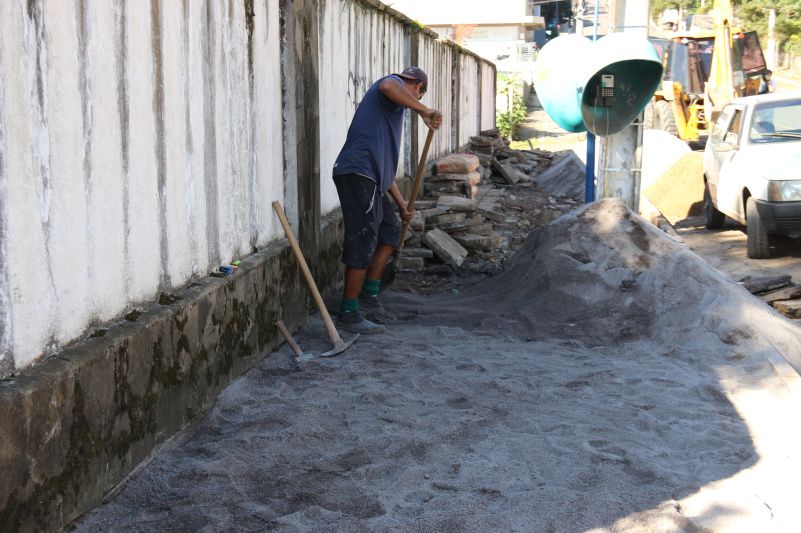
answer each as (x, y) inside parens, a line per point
(607, 380)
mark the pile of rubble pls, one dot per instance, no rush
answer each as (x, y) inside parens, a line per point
(778, 291)
(479, 206)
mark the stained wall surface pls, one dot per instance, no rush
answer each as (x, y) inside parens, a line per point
(142, 143)
(358, 45)
(139, 148)
(437, 61)
(469, 93)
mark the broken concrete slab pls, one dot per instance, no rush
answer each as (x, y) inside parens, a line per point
(493, 215)
(422, 205)
(425, 253)
(759, 284)
(507, 172)
(456, 203)
(788, 293)
(789, 308)
(418, 222)
(445, 247)
(407, 263)
(432, 212)
(484, 228)
(448, 218)
(457, 226)
(472, 241)
(565, 176)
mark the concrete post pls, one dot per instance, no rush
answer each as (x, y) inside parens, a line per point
(300, 84)
(414, 122)
(455, 96)
(621, 154)
(770, 59)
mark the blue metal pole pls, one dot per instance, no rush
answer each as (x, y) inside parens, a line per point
(589, 176)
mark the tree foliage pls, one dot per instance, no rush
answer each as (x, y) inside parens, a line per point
(659, 6)
(509, 121)
(753, 14)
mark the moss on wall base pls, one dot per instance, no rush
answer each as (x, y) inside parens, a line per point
(74, 426)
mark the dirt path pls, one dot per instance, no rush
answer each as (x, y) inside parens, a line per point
(540, 132)
(725, 249)
(601, 382)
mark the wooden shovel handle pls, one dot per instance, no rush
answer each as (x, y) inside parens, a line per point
(329, 324)
(418, 181)
(288, 336)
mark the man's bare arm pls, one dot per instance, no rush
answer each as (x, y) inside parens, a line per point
(402, 204)
(398, 93)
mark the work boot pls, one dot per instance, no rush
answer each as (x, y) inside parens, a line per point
(372, 309)
(353, 322)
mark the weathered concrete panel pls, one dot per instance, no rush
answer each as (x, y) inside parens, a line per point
(267, 110)
(140, 168)
(6, 355)
(102, 166)
(437, 60)
(469, 98)
(358, 45)
(145, 151)
(488, 74)
(47, 219)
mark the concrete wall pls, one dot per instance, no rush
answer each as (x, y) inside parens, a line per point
(142, 142)
(437, 61)
(141, 145)
(487, 96)
(358, 45)
(469, 91)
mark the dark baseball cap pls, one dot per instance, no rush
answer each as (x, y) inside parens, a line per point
(415, 73)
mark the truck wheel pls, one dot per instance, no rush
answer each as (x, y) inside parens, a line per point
(664, 119)
(713, 218)
(758, 245)
(648, 116)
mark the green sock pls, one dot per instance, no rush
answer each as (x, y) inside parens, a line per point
(348, 305)
(370, 287)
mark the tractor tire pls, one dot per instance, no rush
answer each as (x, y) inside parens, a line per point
(758, 242)
(664, 119)
(648, 116)
(713, 219)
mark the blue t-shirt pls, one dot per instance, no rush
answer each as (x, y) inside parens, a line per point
(373, 143)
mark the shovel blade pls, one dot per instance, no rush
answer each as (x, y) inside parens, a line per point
(340, 346)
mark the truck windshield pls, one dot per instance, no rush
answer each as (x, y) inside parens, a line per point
(776, 122)
(689, 62)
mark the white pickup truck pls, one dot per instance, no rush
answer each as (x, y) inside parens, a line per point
(752, 169)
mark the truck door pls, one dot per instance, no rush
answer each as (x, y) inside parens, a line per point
(728, 183)
(712, 153)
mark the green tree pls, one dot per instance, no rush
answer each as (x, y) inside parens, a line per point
(754, 15)
(659, 6)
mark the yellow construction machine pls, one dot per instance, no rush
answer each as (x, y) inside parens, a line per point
(701, 75)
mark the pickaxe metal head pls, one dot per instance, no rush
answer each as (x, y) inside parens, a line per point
(340, 346)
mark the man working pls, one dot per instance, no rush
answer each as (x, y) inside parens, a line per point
(364, 173)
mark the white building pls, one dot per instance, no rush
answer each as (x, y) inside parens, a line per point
(501, 31)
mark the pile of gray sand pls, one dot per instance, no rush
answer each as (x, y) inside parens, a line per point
(607, 380)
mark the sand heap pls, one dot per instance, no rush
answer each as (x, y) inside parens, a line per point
(608, 380)
(609, 276)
